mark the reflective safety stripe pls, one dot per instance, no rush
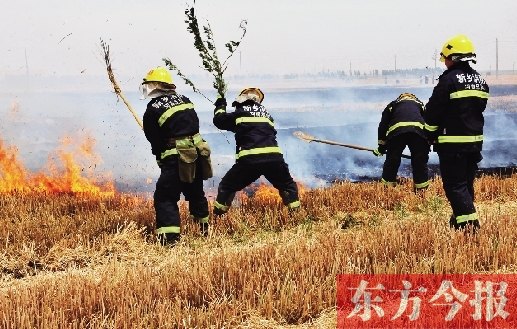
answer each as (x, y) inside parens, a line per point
(377, 153)
(199, 219)
(258, 150)
(381, 142)
(422, 185)
(469, 93)
(430, 128)
(460, 139)
(405, 124)
(466, 218)
(167, 114)
(168, 229)
(220, 111)
(186, 141)
(294, 204)
(169, 152)
(221, 206)
(253, 120)
(387, 183)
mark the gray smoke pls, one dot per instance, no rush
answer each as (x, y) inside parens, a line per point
(343, 114)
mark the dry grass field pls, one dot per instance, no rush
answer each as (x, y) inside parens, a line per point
(87, 260)
(77, 254)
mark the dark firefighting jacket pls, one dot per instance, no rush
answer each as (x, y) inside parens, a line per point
(254, 129)
(169, 117)
(401, 116)
(454, 114)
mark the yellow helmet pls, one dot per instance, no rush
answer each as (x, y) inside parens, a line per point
(254, 91)
(406, 96)
(159, 74)
(457, 45)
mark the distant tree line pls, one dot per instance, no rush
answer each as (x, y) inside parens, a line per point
(341, 74)
(414, 72)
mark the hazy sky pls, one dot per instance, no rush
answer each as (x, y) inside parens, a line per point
(62, 37)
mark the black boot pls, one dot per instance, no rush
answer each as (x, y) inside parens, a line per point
(203, 224)
(218, 212)
(169, 239)
(471, 226)
(294, 211)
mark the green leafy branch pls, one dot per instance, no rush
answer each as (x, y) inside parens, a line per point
(208, 52)
(189, 82)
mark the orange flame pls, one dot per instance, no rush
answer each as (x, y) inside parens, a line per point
(267, 194)
(64, 173)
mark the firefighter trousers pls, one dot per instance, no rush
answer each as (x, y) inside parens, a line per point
(419, 149)
(167, 194)
(241, 175)
(458, 172)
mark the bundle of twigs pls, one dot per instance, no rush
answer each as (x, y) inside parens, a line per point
(107, 60)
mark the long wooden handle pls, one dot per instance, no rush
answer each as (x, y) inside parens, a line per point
(352, 146)
(341, 144)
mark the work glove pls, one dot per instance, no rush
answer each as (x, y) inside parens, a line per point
(220, 102)
(380, 150)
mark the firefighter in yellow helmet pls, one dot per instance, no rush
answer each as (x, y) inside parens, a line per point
(257, 151)
(171, 126)
(454, 124)
(401, 125)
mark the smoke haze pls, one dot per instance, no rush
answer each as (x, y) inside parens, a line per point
(34, 122)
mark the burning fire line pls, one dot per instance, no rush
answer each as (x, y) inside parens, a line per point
(63, 174)
(266, 193)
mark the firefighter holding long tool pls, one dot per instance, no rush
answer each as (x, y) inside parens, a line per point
(257, 151)
(402, 124)
(171, 125)
(454, 124)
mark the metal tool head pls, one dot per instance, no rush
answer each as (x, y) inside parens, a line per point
(303, 136)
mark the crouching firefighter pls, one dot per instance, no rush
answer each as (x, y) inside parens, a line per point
(402, 124)
(257, 151)
(171, 126)
(454, 125)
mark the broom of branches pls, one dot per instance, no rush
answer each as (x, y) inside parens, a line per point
(107, 60)
(208, 53)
